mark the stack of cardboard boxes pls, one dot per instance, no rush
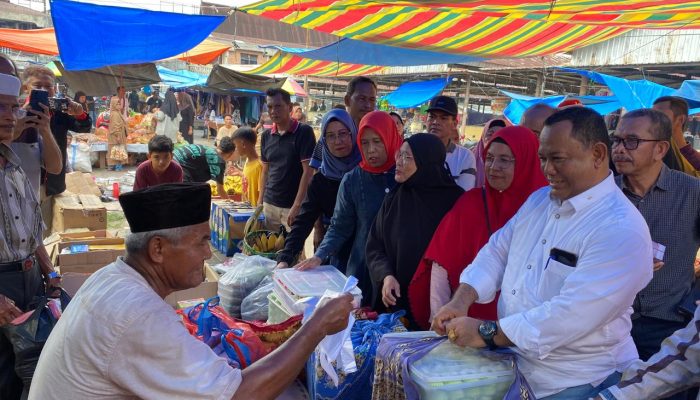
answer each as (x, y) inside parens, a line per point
(81, 244)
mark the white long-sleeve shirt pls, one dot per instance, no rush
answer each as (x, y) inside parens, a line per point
(675, 367)
(571, 325)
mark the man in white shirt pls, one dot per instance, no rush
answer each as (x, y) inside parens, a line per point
(568, 266)
(120, 340)
(442, 122)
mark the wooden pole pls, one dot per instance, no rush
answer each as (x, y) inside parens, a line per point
(584, 86)
(465, 108)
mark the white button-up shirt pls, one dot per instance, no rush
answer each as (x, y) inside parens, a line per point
(570, 324)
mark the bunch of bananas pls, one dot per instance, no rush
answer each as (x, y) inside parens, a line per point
(233, 184)
(271, 243)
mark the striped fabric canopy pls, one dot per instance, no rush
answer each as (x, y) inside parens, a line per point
(493, 28)
(288, 63)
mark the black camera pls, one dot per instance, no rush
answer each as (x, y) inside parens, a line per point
(58, 104)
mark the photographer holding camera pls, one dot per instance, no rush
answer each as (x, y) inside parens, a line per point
(65, 115)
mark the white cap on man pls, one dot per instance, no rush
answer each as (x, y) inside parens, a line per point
(9, 85)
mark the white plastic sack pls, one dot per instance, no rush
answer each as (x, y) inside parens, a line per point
(338, 347)
(78, 157)
(239, 282)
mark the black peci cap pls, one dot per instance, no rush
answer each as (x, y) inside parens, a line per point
(166, 206)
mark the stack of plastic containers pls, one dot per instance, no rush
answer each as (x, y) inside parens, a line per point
(453, 372)
(292, 285)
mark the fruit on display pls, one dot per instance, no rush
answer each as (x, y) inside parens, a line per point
(269, 243)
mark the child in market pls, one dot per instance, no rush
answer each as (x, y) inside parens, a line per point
(160, 166)
(245, 139)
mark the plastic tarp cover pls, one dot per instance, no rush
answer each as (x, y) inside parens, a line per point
(359, 52)
(520, 103)
(37, 41)
(632, 95)
(225, 80)
(412, 94)
(123, 35)
(181, 78)
(104, 81)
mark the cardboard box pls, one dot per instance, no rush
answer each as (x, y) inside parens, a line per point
(208, 288)
(101, 234)
(78, 211)
(72, 281)
(82, 183)
(227, 223)
(90, 261)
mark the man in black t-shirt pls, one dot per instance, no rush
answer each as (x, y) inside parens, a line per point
(154, 101)
(285, 153)
(202, 163)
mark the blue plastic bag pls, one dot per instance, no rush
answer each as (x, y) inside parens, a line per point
(365, 336)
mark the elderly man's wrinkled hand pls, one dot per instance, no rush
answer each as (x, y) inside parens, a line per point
(8, 310)
(332, 315)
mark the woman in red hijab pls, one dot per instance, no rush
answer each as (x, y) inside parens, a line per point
(490, 127)
(360, 196)
(512, 173)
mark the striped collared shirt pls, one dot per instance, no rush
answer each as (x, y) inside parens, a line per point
(21, 226)
(671, 209)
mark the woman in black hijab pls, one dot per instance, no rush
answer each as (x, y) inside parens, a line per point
(408, 218)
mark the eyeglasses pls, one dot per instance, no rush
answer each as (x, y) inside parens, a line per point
(402, 158)
(493, 162)
(631, 143)
(16, 110)
(340, 136)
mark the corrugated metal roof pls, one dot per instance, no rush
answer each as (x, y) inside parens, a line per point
(640, 47)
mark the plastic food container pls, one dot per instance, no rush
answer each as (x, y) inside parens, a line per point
(276, 312)
(452, 372)
(292, 285)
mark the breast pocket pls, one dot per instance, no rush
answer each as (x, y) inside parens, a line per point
(553, 280)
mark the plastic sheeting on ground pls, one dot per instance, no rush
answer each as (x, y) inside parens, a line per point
(124, 35)
(105, 80)
(412, 94)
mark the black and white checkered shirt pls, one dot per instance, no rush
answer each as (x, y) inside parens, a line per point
(672, 211)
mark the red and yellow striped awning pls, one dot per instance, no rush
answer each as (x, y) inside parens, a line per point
(287, 63)
(493, 28)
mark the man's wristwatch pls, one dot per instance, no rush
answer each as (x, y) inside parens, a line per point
(53, 274)
(487, 331)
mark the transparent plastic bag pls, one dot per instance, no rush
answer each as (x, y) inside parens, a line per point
(240, 281)
(255, 306)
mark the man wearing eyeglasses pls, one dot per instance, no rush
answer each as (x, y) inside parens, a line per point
(669, 201)
(20, 235)
(442, 122)
(568, 266)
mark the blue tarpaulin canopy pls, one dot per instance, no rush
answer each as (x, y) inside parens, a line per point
(636, 94)
(359, 52)
(92, 36)
(413, 94)
(519, 103)
(181, 78)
